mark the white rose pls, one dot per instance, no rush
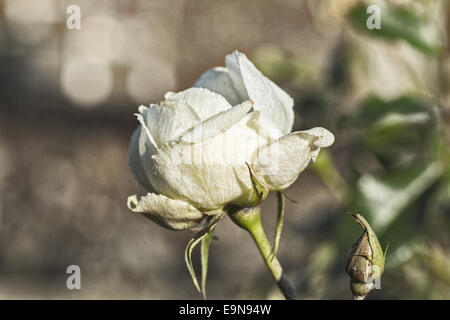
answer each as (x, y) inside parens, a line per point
(192, 149)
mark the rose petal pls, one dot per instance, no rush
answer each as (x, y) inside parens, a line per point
(271, 100)
(206, 103)
(181, 111)
(169, 213)
(280, 163)
(218, 80)
(217, 124)
(212, 173)
(241, 81)
(134, 161)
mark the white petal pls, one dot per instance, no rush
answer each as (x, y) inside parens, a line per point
(141, 118)
(280, 163)
(181, 111)
(212, 173)
(205, 102)
(241, 81)
(146, 151)
(167, 121)
(134, 160)
(169, 213)
(323, 139)
(217, 124)
(218, 80)
(234, 68)
(274, 104)
(265, 127)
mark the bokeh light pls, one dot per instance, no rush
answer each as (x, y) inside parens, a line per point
(86, 83)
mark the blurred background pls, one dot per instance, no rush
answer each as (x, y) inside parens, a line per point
(67, 99)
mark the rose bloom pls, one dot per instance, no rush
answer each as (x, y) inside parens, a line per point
(201, 149)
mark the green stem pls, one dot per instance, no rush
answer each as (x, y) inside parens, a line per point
(250, 219)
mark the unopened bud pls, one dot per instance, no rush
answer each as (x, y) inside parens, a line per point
(365, 261)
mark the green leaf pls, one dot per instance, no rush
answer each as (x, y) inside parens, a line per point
(399, 23)
(374, 109)
(395, 128)
(384, 197)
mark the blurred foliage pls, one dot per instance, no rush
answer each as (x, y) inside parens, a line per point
(398, 23)
(394, 129)
(391, 159)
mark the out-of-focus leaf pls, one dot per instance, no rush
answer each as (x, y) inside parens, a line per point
(438, 262)
(399, 23)
(375, 110)
(394, 129)
(402, 254)
(386, 196)
(327, 170)
(273, 63)
(396, 140)
(319, 265)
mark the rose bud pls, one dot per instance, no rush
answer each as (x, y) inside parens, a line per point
(365, 261)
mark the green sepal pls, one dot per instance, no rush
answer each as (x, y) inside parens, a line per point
(208, 228)
(280, 219)
(259, 193)
(377, 251)
(206, 241)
